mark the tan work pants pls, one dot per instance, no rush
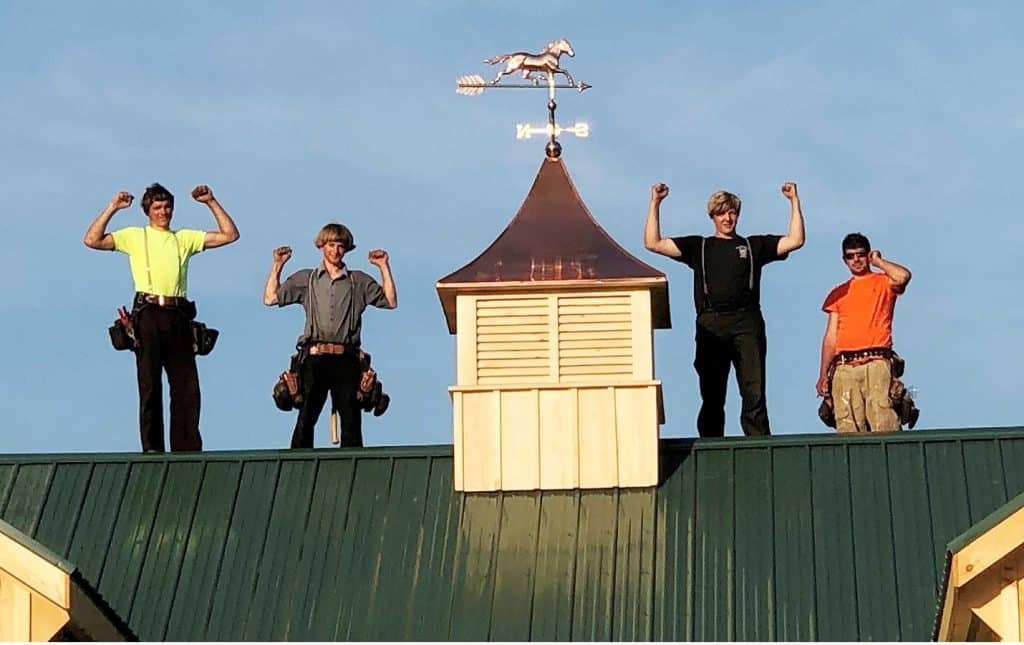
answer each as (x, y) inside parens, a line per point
(860, 397)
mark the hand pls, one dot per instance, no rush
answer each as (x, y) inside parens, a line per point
(282, 254)
(874, 257)
(822, 386)
(121, 200)
(789, 190)
(659, 192)
(202, 194)
(378, 257)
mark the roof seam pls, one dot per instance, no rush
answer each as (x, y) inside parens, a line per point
(205, 635)
(149, 539)
(113, 525)
(617, 495)
(892, 540)
(184, 552)
(258, 564)
(78, 512)
(294, 595)
(536, 557)
(853, 540)
(815, 627)
(45, 498)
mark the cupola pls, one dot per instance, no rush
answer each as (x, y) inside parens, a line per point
(555, 385)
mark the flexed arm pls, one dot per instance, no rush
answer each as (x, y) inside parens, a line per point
(794, 238)
(226, 232)
(898, 274)
(281, 255)
(653, 241)
(379, 258)
(96, 236)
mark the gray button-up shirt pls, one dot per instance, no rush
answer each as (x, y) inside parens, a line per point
(339, 303)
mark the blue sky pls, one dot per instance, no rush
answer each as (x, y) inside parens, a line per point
(901, 120)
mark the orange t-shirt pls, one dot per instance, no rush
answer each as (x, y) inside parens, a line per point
(865, 305)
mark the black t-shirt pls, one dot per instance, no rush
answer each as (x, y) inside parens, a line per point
(728, 263)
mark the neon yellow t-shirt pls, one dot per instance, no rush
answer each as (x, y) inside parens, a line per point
(168, 255)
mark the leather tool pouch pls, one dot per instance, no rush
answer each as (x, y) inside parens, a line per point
(203, 338)
(287, 393)
(119, 336)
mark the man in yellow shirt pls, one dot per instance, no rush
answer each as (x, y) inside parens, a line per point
(161, 313)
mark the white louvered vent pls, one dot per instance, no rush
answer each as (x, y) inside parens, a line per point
(564, 338)
(595, 338)
(513, 340)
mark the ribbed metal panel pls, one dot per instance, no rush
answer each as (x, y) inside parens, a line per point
(787, 538)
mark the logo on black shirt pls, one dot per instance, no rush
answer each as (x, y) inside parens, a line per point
(742, 250)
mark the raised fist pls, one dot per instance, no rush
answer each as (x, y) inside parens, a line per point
(282, 254)
(378, 257)
(121, 200)
(874, 256)
(202, 194)
(659, 192)
(789, 190)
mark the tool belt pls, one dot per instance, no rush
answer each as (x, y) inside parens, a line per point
(162, 301)
(320, 349)
(122, 332)
(862, 355)
(901, 400)
(370, 395)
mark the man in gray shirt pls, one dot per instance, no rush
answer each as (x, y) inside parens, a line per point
(334, 298)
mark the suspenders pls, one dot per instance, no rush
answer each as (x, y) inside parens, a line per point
(145, 247)
(704, 273)
(313, 333)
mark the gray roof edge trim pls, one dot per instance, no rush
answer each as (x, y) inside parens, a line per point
(207, 456)
(666, 445)
(673, 444)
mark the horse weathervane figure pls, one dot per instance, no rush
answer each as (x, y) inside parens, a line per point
(546, 65)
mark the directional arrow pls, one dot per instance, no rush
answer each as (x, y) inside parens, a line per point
(475, 84)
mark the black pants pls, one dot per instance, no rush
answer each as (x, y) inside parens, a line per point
(339, 375)
(165, 343)
(736, 338)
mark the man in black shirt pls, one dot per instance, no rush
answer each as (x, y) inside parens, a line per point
(727, 296)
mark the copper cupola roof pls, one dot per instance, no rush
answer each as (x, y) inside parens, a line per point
(553, 239)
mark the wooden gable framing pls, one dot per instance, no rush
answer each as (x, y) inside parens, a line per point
(41, 598)
(983, 598)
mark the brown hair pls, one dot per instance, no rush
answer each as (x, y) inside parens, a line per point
(334, 232)
(155, 193)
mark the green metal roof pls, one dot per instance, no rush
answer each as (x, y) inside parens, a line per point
(787, 538)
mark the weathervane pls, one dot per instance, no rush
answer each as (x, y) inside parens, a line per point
(535, 68)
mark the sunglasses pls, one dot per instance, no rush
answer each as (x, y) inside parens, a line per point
(855, 254)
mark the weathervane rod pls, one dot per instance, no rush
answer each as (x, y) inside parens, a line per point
(546, 63)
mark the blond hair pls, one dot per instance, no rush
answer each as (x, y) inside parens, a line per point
(334, 232)
(722, 202)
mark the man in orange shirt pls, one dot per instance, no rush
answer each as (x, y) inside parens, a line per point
(857, 346)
